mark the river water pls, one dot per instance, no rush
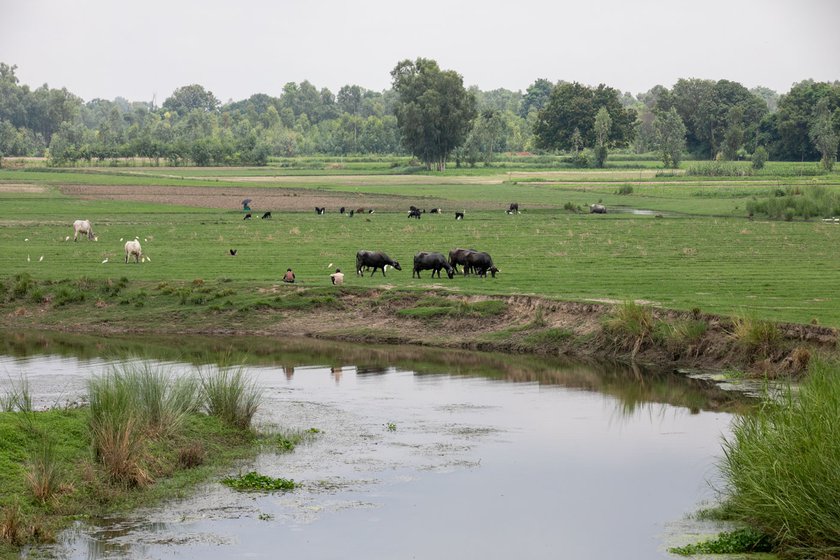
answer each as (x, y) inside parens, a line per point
(421, 454)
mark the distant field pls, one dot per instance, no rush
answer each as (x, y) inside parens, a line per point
(702, 252)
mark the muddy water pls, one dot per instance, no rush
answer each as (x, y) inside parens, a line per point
(480, 457)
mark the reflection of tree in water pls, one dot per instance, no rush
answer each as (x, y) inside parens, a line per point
(631, 386)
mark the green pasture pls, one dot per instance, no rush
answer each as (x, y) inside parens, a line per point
(701, 253)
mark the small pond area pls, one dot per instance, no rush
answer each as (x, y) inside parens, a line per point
(421, 453)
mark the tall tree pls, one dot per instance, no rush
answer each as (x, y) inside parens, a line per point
(434, 110)
(603, 123)
(536, 96)
(669, 137)
(824, 135)
(733, 138)
(188, 98)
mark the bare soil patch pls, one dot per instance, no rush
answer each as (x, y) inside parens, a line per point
(21, 188)
(279, 199)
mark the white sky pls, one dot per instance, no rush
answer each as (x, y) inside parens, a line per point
(110, 48)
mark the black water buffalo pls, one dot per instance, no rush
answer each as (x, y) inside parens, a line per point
(459, 215)
(479, 263)
(597, 209)
(414, 213)
(433, 262)
(374, 260)
(320, 211)
(458, 256)
(514, 208)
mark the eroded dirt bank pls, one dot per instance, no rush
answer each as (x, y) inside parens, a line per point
(512, 324)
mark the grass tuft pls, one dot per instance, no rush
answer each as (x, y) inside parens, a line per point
(43, 476)
(630, 324)
(230, 396)
(758, 337)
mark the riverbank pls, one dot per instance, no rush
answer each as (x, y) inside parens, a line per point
(629, 331)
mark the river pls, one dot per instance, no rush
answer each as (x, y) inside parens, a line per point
(422, 453)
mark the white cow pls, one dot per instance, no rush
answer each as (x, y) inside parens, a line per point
(132, 248)
(83, 227)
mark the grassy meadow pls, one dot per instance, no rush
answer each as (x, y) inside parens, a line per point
(691, 247)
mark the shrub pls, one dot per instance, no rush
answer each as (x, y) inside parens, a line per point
(759, 157)
(625, 189)
(780, 465)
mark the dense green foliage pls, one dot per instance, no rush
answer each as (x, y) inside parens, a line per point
(722, 119)
(781, 467)
(573, 107)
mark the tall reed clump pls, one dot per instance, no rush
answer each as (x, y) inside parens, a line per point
(130, 405)
(230, 395)
(781, 465)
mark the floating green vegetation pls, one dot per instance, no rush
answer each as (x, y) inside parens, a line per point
(255, 482)
(733, 542)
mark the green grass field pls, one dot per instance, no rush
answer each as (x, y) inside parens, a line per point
(702, 252)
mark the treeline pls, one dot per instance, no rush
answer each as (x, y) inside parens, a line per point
(705, 118)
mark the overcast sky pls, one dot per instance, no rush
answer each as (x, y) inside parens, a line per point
(137, 50)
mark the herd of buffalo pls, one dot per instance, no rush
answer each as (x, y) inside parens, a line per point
(472, 261)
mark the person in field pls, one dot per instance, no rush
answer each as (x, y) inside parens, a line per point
(337, 277)
(289, 277)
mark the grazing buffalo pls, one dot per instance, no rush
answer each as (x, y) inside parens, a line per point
(479, 263)
(320, 211)
(414, 213)
(341, 210)
(374, 260)
(459, 215)
(247, 216)
(433, 262)
(266, 216)
(514, 208)
(597, 209)
(458, 256)
(436, 211)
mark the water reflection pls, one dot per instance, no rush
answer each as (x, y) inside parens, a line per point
(632, 386)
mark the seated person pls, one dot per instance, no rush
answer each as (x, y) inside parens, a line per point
(337, 277)
(289, 277)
